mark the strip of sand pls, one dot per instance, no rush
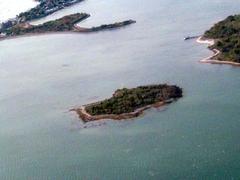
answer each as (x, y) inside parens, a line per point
(86, 117)
(216, 52)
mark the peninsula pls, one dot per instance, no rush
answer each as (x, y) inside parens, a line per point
(64, 24)
(224, 40)
(129, 103)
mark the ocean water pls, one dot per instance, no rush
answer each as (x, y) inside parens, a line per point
(42, 77)
(11, 8)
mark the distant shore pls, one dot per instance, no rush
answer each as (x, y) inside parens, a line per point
(212, 59)
(86, 117)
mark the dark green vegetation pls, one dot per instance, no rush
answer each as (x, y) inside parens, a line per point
(45, 8)
(65, 23)
(112, 26)
(104, 26)
(128, 100)
(227, 38)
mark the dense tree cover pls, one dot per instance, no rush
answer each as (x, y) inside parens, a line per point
(112, 26)
(65, 23)
(45, 8)
(128, 100)
(227, 36)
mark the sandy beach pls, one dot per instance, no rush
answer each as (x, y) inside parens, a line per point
(211, 59)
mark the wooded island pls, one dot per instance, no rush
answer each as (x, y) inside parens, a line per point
(129, 103)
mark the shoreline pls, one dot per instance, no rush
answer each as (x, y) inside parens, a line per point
(76, 30)
(216, 52)
(3, 38)
(39, 34)
(35, 34)
(86, 117)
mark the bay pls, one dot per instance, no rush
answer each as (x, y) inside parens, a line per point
(42, 77)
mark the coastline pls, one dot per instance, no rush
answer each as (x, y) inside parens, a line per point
(46, 33)
(86, 117)
(211, 59)
(76, 30)
(37, 34)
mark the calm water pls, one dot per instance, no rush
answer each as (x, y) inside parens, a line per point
(11, 8)
(42, 77)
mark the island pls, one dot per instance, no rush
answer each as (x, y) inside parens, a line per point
(224, 40)
(129, 103)
(64, 24)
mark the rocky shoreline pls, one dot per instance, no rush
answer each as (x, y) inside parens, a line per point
(129, 103)
(86, 117)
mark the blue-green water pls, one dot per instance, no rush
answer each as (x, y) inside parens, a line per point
(42, 77)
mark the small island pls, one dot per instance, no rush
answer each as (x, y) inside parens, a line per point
(224, 40)
(64, 24)
(129, 103)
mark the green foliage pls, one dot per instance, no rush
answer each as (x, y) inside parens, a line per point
(65, 23)
(128, 100)
(111, 26)
(45, 8)
(226, 33)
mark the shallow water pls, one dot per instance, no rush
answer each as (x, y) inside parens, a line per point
(42, 77)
